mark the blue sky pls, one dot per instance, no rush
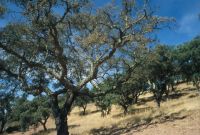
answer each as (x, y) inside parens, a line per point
(184, 11)
(187, 20)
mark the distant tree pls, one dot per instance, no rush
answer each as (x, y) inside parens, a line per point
(160, 70)
(32, 112)
(132, 80)
(72, 47)
(19, 107)
(174, 75)
(128, 92)
(189, 60)
(40, 109)
(123, 90)
(124, 97)
(104, 102)
(127, 82)
(82, 101)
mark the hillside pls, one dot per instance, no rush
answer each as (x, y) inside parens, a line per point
(179, 115)
(186, 126)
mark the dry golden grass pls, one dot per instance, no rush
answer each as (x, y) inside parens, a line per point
(147, 112)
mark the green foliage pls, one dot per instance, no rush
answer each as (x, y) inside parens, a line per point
(5, 109)
(129, 93)
(160, 70)
(83, 100)
(7, 95)
(104, 102)
(122, 93)
(41, 110)
(189, 61)
(31, 112)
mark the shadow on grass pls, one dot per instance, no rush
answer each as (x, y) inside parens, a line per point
(95, 111)
(151, 98)
(42, 132)
(134, 111)
(86, 113)
(138, 125)
(73, 126)
(143, 101)
(175, 95)
(140, 110)
(189, 89)
(194, 95)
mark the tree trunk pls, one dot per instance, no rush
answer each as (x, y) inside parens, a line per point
(173, 89)
(61, 126)
(102, 113)
(125, 110)
(60, 114)
(158, 103)
(2, 126)
(44, 126)
(167, 93)
(43, 123)
(197, 86)
(108, 110)
(136, 99)
(158, 99)
(84, 110)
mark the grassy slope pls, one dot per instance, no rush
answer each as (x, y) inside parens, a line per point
(184, 104)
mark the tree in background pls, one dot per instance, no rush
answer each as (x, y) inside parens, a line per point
(129, 93)
(173, 72)
(122, 89)
(82, 101)
(130, 80)
(124, 97)
(104, 102)
(70, 48)
(18, 108)
(189, 61)
(40, 109)
(30, 113)
(160, 70)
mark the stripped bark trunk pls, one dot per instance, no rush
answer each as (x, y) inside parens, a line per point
(60, 114)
